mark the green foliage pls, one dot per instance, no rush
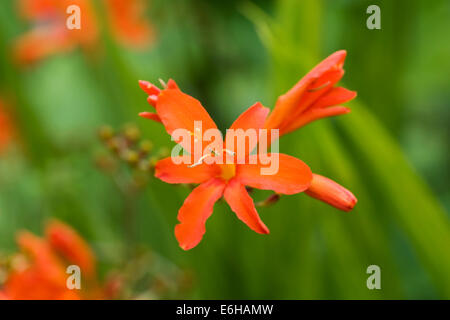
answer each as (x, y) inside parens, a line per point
(313, 250)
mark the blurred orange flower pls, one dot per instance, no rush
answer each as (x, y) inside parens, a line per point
(6, 128)
(38, 272)
(49, 35)
(128, 24)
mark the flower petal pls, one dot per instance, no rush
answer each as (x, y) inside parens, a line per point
(330, 192)
(178, 110)
(153, 91)
(197, 208)
(335, 96)
(252, 118)
(291, 176)
(149, 88)
(69, 243)
(41, 43)
(334, 61)
(150, 115)
(242, 204)
(315, 114)
(42, 257)
(171, 84)
(169, 172)
(128, 22)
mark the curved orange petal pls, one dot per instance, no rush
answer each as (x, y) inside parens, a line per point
(169, 172)
(69, 244)
(334, 97)
(292, 175)
(242, 204)
(315, 91)
(252, 118)
(149, 88)
(37, 9)
(153, 91)
(315, 114)
(330, 192)
(178, 110)
(197, 208)
(7, 130)
(171, 84)
(128, 22)
(43, 257)
(150, 115)
(41, 43)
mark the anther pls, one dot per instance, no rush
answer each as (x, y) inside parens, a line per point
(163, 84)
(199, 162)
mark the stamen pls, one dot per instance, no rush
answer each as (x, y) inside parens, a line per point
(320, 87)
(200, 161)
(163, 84)
(269, 201)
(231, 153)
(213, 151)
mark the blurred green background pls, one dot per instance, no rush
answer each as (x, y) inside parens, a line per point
(391, 151)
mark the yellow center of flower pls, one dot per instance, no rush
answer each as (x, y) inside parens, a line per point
(228, 171)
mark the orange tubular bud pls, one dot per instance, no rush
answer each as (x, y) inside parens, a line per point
(330, 192)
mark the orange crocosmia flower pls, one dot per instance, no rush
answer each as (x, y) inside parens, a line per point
(64, 240)
(6, 128)
(127, 22)
(41, 276)
(176, 110)
(314, 97)
(39, 272)
(50, 34)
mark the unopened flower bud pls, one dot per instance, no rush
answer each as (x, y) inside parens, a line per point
(330, 192)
